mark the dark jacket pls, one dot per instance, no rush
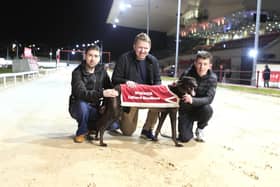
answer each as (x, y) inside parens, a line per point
(206, 88)
(266, 74)
(126, 69)
(89, 86)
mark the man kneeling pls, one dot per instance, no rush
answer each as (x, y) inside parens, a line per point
(198, 108)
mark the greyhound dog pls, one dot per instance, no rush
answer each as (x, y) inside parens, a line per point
(186, 85)
(112, 112)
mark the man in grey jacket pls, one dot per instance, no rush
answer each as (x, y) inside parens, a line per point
(132, 68)
(198, 108)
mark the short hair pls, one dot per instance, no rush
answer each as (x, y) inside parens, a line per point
(92, 47)
(204, 55)
(143, 37)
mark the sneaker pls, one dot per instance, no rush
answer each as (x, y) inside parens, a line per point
(199, 135)
(79, 139)
(114, 126)
(147, 134)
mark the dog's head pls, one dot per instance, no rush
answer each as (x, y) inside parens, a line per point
(186, 84)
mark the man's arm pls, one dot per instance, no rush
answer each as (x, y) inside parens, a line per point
(119, 76)
(209, 96)
(157, 79)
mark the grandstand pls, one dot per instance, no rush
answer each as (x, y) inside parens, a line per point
(226, 28)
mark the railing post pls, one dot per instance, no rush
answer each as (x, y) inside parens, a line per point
(4, 80)
(221, 75)
(258, 75)
(15, 79)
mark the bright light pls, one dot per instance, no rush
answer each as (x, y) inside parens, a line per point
(77, 46)
(117, 20)
(124, 6)
(114, 25)
(252, 53)
(73, 52)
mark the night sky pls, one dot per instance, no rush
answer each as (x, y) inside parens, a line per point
(62, 23)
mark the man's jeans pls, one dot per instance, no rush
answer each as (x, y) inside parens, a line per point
(86, 116)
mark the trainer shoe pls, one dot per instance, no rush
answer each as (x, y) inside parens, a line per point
(199, 135)
(79, 139)
(147, 134)
(114, 126)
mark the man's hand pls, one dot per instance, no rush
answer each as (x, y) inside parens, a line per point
(187, 98)
(131, 84)
(110, 93)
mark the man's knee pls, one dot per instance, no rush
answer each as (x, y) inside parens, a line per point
(185, 132)
(184, 138)
(185, 127)
(126, 132)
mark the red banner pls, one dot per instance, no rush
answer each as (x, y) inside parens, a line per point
(155, 96)
(274, 76)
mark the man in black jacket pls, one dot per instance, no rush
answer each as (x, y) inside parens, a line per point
(90, 82)
(198, 108)
(266, 76)
(132, 68)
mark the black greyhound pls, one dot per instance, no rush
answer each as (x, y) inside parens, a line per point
(112, 109)
(186, 85)
(110, 113)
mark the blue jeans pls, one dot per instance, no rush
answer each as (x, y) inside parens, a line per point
(86, 116)
(187, 116)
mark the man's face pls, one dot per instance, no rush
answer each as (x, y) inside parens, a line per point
(202, 66)
(141, 49)
(92, 58)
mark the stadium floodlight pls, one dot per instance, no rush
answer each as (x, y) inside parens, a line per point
(50, 55)
(252, 53)
(124, 6)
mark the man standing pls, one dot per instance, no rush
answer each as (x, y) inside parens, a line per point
(266, 76)
(132, 68)
(90, 82)
(198, 108)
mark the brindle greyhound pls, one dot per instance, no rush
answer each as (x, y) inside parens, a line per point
(112, 109)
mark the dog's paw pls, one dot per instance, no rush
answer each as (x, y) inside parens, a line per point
(179, 145)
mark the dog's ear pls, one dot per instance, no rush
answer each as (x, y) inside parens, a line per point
(188, 81)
